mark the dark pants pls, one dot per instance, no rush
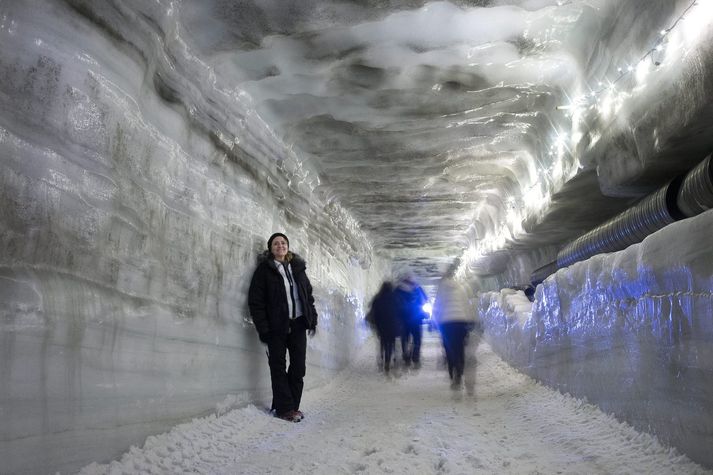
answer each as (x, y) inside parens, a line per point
(454, 338)
(411, 342)
(387, 350)
(287, 383)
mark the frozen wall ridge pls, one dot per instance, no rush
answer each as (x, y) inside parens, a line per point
(129, 230)
(621, 325)
(148, 149)
(446, 105)
(662, 131)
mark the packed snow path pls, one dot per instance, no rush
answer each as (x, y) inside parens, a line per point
(363, 422)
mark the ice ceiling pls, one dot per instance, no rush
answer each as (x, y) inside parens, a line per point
(480, 129)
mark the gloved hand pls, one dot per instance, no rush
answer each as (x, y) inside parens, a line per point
(264, 337)
(311, 332)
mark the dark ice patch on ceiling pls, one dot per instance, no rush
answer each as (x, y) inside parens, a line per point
(357, 75)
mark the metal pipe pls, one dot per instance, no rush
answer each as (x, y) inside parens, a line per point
(629, 227)
(696, 195)
(541, 273)
(682, 197)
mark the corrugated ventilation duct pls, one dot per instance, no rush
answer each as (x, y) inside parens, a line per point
(682, 197)
(633, 225)
(541, 273)
(696, 195)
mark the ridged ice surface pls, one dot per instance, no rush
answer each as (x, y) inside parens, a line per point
(148, 149)
(437, 123)
(438, 126)
(130, 227)
(630, 331)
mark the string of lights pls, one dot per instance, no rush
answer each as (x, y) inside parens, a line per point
(658, 47)
(538, 194)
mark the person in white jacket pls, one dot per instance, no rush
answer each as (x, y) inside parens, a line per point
(455, 318)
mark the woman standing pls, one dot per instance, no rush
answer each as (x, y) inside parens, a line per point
(282, 309)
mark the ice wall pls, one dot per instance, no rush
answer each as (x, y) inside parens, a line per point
(135, 191)
(630, 331)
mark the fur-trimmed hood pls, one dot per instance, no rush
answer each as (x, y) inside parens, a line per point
(296, 262)
(267, 299)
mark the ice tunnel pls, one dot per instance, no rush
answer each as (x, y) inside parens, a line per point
(148, 149)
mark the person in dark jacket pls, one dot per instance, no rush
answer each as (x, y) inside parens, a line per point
(384, 316)
(411, 298)
(282, 309)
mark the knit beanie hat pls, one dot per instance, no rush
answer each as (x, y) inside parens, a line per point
(269, 241)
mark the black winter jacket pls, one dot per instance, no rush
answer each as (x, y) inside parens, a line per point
(385, 314)
(267, 298)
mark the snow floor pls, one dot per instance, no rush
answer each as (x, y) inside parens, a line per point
(364, 422)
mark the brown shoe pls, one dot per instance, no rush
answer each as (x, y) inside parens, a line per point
(290, 416)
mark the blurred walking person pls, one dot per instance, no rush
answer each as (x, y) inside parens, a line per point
(455, 320)
(411, 298)
(383, 315)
